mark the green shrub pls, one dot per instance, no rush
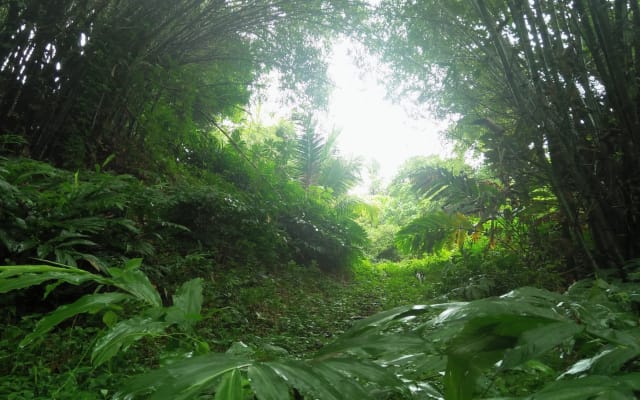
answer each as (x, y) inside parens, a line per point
(318, 234)
(231, 226)
(70, 217)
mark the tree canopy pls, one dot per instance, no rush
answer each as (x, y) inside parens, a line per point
(81, 80)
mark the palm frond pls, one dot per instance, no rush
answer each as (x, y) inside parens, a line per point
(433, 232)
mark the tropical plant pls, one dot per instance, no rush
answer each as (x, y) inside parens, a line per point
(434, 231)
(131, 286)
(318, 231)
(455, 205)
(48, 212)
(577, 345)
(317, 161)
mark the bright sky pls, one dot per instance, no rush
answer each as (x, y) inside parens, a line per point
(370, 125)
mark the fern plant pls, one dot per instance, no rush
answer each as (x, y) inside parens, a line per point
(432, 232)
(51, 213)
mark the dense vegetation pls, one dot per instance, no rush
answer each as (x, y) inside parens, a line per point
(158, 242)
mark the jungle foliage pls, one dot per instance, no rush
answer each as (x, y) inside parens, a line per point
(546, 91)
(151, 228)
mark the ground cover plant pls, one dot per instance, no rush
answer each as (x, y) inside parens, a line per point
(576, 345)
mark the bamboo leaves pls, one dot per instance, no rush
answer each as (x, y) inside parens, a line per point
(552, 76)
(107, 80)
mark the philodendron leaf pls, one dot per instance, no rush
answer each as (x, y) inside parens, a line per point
(187, 303)
(90, 303)
(231, 386)
(266, 383)
(184, 379)
(134, 281)
(123, 334)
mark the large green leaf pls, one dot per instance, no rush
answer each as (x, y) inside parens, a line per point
(515, 328)
(23, 276)
(187, 303)
(231, 386)
(266, 383)
(460, 378)
(535, 342)
(123, 334)
(606, 362)
(611, 362)
(625, 338)
(373, 343)
(591, 387)
(367, 373)
(89, 303)
(304, 378)
(383, 318)
(134, 281)
(367, 337)
(631, 380)
(348, 387)
(183, 379)
(498, 308)
(364, 370)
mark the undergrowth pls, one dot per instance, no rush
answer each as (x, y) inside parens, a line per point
(298, 332)
(241, 297)
(290, 311)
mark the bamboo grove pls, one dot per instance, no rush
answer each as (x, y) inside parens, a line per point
(81, 80)
(547, 91)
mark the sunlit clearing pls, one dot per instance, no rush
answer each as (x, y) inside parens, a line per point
(372, 126)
